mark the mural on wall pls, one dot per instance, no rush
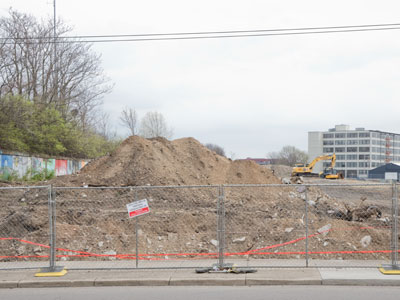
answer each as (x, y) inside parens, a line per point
(51, 165)
(61, 167)
(38, 164)
(21, 165)
(73, 166)
(6, 164)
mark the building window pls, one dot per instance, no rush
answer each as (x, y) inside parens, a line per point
(351, 164)
(328, 150)
(363, 157)
(340, 164)
(352, 173)
(352, 157)
(364, 142)
(328, 135)
(362, 172)
(363, 134)
(340, 135)
(340, 149)
(340, 142)
(341, 157)
(351, 149)
(327, 143)
(352, 142)
(363, 164)
(352, 135)
(363, 149)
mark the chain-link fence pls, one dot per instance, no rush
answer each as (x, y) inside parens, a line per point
(93, 228)
(331, 225)
(24, 227)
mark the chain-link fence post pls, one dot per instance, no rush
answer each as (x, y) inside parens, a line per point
(306, 221)
(136, 235)
(395, 215)
(394, 239)
(221, 226)
(52, 230)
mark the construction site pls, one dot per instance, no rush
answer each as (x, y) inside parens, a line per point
(201, 206)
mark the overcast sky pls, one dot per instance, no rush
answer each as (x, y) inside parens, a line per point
(252, 95)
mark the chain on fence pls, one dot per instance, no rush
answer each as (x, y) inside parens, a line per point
(331, 225)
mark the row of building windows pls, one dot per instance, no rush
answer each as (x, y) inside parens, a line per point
(365, 157)
(344, 149)
(350, 164)
(382, 136)
(373, 165)
(353, 157)
(385, 151)
(341, 135)
(360, 142)
(353, 173)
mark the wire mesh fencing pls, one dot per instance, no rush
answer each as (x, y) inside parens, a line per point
(95, 231)
(350, 225)
(24, 227)
(307, 225)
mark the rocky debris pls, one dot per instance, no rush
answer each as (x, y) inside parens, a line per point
(239, 240)
(366, 241)
(214, 243)
(362, 212)
(296, 180)
(324, 230)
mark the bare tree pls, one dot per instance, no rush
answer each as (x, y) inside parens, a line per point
(153, 124)
(73, 80)
(289, 155)
(128, 118)
(217, 149)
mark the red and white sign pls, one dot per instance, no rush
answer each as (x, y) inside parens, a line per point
(138, 208)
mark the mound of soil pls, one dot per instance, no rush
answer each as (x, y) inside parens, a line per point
(139, 161)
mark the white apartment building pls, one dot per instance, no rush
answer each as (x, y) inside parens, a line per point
(357, 151)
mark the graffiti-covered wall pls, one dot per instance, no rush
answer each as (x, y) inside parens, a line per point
(21, 166)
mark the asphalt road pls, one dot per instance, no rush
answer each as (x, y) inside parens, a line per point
(209, 293)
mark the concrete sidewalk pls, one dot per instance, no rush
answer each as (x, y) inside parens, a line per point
(179, 277)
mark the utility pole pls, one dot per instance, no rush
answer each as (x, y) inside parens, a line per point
(55, 50)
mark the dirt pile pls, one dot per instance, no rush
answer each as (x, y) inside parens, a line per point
(186, 161)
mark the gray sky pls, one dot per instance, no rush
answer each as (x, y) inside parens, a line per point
(253, 95)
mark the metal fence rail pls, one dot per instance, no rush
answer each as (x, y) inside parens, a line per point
(261, 226)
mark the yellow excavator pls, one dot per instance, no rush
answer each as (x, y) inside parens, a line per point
(328, 173)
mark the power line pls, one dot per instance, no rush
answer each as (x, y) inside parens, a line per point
(209, 34)
(235, 31)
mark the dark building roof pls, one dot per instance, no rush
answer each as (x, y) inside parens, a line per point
(386, 168)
